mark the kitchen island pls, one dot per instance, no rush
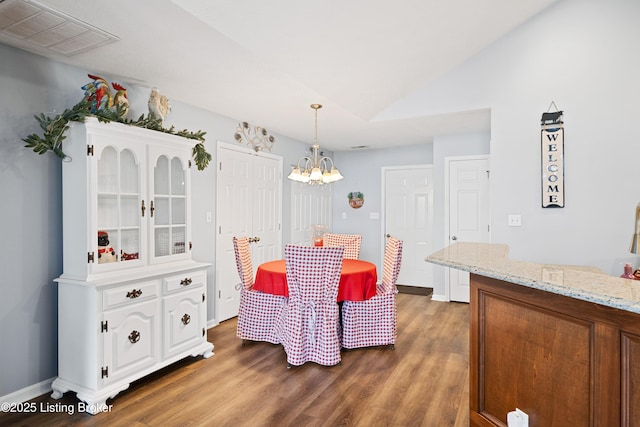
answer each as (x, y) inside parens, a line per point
(561, 343)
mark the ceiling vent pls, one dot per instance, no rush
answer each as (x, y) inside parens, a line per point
(30, 25)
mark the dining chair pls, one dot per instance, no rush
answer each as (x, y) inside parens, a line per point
(373, 322)
(259, 311)
(309, 325)
(350, 242)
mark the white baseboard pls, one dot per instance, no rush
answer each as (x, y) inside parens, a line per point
(28, 393)
(438, 297)
(211, 323)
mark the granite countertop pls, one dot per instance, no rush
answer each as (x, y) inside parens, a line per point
(580, 282)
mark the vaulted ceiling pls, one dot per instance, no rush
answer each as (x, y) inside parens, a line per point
(265, 62)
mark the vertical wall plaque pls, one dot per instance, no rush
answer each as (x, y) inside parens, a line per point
(552, 144)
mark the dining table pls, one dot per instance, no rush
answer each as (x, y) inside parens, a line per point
(357, 279)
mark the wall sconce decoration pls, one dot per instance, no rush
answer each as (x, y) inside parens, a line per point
(552, 143)
(356, 199)
(256, 137)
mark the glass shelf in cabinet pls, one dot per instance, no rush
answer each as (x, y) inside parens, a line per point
(107, 211)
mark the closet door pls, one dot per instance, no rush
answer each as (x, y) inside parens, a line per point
(248, 203)
(310, 205)
(408, 202)
(467, 212)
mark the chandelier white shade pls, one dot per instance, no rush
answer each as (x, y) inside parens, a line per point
(317, 169)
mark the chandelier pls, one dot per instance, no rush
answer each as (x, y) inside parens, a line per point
(315, 170)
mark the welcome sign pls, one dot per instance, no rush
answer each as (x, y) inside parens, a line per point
(552, 141)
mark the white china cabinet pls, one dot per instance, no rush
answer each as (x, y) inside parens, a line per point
(130, 299)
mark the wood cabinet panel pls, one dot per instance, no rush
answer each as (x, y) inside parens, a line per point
(559, 359)
(530, 353)
(631, 378)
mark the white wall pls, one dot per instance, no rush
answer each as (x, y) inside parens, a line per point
(582, 54)
(31, 218)
(362, 171)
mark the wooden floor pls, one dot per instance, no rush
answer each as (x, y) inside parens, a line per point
(423, 382)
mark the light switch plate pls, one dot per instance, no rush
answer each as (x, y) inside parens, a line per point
(514, 220)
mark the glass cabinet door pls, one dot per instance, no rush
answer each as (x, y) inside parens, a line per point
(169, 209)
(119, 207)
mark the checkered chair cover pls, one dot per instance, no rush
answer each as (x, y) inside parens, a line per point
(374, 322)
(258, 311)
(309, 324)
(350, 242)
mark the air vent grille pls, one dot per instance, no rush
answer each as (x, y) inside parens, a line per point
(27, 22)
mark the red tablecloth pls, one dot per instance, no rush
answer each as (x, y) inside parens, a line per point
(357, 279)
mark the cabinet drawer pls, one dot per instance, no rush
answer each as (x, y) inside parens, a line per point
(184, 281)
(129, 294)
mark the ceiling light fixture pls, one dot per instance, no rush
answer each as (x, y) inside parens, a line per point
(315, 169)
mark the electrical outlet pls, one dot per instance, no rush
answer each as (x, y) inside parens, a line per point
(517, 418)
(524, 418)
(514, 220)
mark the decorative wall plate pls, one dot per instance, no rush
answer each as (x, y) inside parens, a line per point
(356, 199)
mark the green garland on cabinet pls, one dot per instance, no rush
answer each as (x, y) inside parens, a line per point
(55, 127)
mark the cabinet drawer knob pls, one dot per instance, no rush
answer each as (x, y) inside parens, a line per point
(134, 336)
(134, 293)
(186, 281)
(186, 319)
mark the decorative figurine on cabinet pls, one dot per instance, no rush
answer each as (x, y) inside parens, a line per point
(158, 105)
(97, 93)
(100, 97)
(120, 99)
(105, 252)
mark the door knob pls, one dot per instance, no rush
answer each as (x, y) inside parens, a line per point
(254, 239)
(454, 238)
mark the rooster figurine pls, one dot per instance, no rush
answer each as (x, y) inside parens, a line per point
(120, 99)
(158, 105)
(98, 93)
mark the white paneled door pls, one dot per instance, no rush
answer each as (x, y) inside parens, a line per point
(467, 213)
(248, 203)
(310, 205)
(408, 201)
